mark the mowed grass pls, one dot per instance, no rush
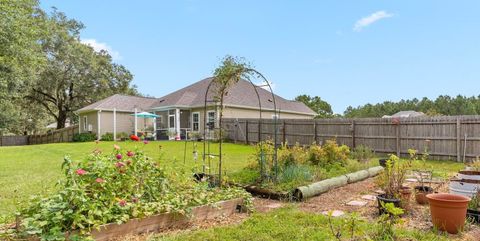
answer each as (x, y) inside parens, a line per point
(35, 169)
(290, 224)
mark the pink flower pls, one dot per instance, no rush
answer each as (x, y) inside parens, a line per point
(100, 180)
(145, 142)
(119, 164)
(122, 203)
(81, 172)
(119, 156)
(116, 147)
(130, 153)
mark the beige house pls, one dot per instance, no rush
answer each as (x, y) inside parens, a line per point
(183, 111)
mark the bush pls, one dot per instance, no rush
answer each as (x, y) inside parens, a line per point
(315, 154)
(122, 136)
(107, 137)
(84, 137)
(295, 155)
(334, 153)
(113, 188)
(362, 153)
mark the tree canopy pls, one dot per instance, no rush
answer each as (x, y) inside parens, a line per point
(323, 108)
(46, 73)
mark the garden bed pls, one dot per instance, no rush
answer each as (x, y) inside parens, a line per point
(165, 221)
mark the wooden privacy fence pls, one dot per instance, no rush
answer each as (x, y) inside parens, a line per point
(445, 137)
(56, 136)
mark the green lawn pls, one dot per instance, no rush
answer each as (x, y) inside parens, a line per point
(33, 170)
(290, 224)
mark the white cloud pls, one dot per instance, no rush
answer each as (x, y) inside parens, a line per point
(264, 85)
(97, 46)
(374, 17)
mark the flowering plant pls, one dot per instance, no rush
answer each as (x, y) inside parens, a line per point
(113, 188)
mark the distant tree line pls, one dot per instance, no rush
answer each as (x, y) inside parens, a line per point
(442, 105)
(46, 72)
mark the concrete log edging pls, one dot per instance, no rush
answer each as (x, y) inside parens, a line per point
(317, 188)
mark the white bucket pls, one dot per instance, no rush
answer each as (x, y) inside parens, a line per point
(466, 188)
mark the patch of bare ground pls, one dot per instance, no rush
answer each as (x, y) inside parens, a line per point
(260, 205)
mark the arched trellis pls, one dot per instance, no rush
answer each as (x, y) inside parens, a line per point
(207, 155)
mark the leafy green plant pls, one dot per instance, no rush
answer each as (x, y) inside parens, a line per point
(295, 173)
(122, 136)
(334, 153)
(113, 188)
(386, 223)
(107, 137)
(84, 137)
(348, 226)
(362, 153)
(392, 178)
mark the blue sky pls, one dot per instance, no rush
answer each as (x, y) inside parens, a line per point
(347, 52)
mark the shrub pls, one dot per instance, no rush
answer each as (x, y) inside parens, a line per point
(295, 155)
(107, 137)
(315, 154)
(122, 136)
(113, 188)
(334, 153)
(362, 153)
(84, 137)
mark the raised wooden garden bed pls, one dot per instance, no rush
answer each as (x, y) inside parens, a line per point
(164, 221)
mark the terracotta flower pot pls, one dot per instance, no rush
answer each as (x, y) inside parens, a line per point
(405, 194)
(421, 194)
(448, 211)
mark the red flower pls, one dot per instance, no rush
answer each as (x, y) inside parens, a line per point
(119, 164)
(80, 172)
(122, 203)
(130, 153)
(134, 138)
(99, 180)
(118, 156)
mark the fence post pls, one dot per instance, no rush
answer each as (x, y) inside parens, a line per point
(246, 132)
(458, 140)
(353, 134)
(398, 139)
(315, 132)
(259, 130)
(284, 132)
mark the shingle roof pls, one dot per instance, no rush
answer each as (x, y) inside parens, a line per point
(241, 94)
(121, 103)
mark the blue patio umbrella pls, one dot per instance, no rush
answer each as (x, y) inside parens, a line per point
(145, 115)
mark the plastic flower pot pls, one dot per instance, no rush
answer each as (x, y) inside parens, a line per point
(473, 215)
(383, 162)
(383, 199)
(448, 211)
(421, 194)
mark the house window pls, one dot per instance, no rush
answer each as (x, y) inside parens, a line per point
(85, 125)
(195, 121)
(211, 120)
